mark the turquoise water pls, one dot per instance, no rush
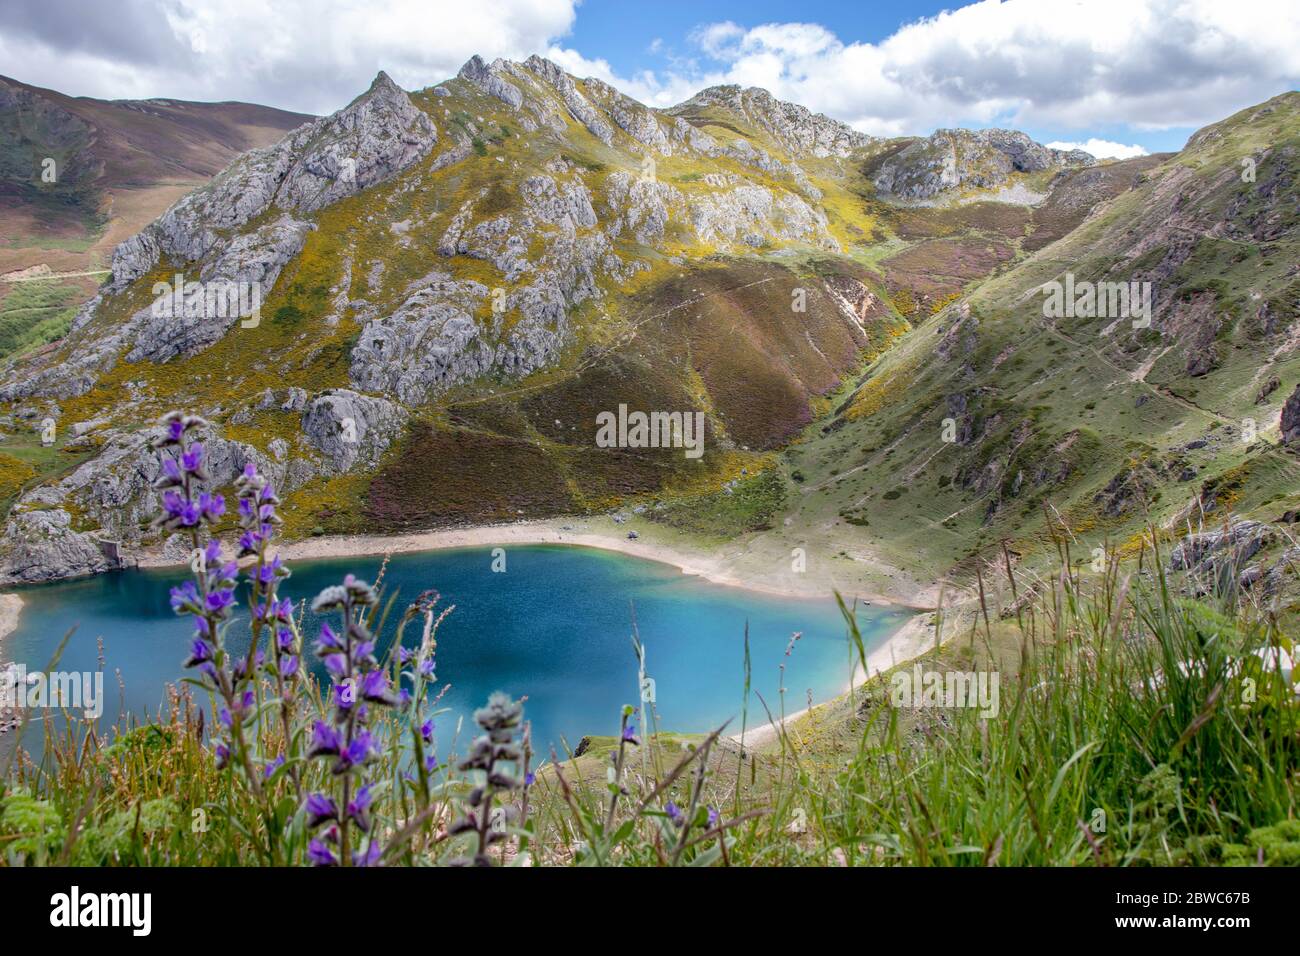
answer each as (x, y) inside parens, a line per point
(555, 626)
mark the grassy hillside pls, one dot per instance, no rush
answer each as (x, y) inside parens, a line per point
(1102, 426)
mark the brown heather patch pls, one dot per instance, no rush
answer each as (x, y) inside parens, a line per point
(1077, 191)
(646, 376)
(443, 477)
(939, 268)
(996, 219)
(754, 354)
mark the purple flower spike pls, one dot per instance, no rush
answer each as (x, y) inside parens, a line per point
(171, 473)
(329, 641)
(221, 599)
(355, 754)
(185, 599)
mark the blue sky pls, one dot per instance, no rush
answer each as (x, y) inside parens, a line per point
(1116, 76)
(622, 31)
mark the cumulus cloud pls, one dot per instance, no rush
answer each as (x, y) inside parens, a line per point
(1103, 148)
(309, 55)
(1067, 64)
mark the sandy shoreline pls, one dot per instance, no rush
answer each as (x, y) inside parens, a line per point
(601, 533)
(10, 607)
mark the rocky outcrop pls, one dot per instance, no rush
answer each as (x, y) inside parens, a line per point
(1232, 546)
(238, 280)
(433, 340)
(975, 159)
(754, 215)
(350, 429)
(374, 138)
(577, 104)
(490, 80)
(1290, 421)
(639, 122)
(41, 545)
(797, 129)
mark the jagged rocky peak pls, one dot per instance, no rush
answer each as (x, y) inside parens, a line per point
(798, 129)
(491, 79)
(967, 159)
(373, 138)
(531, 87)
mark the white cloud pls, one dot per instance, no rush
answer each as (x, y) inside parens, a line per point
(310, 55)
(1065, 64)
(1103, 148)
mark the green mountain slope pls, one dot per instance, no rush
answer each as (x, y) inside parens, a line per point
(1089, 423)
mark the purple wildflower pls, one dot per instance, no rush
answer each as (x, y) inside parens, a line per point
(374, 688)
(192, 458)
(325, 740)
(185, 598)
(320, 808)
(359, 807)
(320, 854)
(369, 856)
(200, 652)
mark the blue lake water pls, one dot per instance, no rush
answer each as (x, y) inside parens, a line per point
(556, 626)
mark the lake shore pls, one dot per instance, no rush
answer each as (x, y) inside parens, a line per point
(912, 639)
(731, 563)
(11, 605)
